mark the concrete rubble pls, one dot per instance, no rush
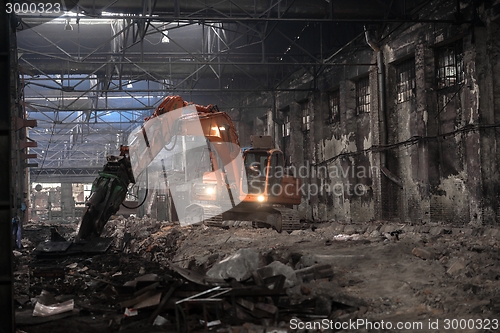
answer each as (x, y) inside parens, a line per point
(238, 266)
(157, 276)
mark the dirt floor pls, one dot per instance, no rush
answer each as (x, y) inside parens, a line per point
(339, 278)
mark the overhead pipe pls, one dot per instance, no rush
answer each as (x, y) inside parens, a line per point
(382, 110)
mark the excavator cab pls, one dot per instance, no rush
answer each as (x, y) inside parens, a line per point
(267, 181)
(255, 167)
(266, 193)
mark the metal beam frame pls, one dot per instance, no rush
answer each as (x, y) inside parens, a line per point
(240, 52)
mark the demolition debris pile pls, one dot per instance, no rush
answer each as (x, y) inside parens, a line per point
(157, 276)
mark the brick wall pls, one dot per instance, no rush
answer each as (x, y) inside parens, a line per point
(450, 178)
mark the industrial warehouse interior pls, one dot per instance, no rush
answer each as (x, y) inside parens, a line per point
(250, 166)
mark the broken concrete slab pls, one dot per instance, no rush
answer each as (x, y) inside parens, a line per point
(388, 228)
(456, 266)
(338, 227)
(409, 228)
(349, 229)
(435, 231)
(318, 271)
(492, 232)
(196, 277)
(238, 266)
(372, 227)
(422, 253)
(278, 268)
(307, 260)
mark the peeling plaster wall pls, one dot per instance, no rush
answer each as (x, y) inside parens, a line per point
(446, 178)
(493, 44)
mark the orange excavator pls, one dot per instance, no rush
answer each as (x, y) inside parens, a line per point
(248, 184)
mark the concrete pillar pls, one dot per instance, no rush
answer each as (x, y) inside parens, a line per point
(374, 158)
(67, 201)
(483, 69)
(429, 150)
(422, 81)
(297, 152)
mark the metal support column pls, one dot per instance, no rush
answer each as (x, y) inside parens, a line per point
(67, 202)
(6, 71)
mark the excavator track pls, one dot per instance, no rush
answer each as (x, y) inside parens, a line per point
(210, 215)
(216, 216)
(287, 220)
(282, 218)
(290, 220)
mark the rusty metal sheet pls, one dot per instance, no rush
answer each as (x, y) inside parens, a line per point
(98, 245)
(150, 301)
(51, 247)
(49, 272)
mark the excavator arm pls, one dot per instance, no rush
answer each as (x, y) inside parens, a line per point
(107, 194)
(110, 188)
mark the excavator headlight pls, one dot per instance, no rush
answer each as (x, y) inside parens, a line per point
(210, 190)
(261, 198)
(204, 191)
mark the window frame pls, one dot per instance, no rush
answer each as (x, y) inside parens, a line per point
(363, 95)
(334, 106)
(450, 69)
(305, 116)
(406, 81)
(286, 127)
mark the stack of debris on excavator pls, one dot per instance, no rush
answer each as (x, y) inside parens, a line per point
(132, 286)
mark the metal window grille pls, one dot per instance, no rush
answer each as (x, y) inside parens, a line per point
(363, 95)
(406, 80)
(450, 65)
(286, 125)
(306, 118)
(334, 106)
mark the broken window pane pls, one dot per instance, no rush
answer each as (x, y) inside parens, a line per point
(363, 95)
(334, 106)
(306, 119)
(286, 125)
(450, 65)
(406, 81)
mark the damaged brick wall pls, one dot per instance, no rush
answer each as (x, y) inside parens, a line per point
(442, 98)
(485, 97)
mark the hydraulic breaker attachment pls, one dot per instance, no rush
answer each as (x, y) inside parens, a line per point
(108, 192)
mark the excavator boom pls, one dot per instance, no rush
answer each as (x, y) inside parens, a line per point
(224, 192)
(168, 120)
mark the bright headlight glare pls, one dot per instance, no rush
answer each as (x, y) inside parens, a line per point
(210, 190)
(260, 198)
